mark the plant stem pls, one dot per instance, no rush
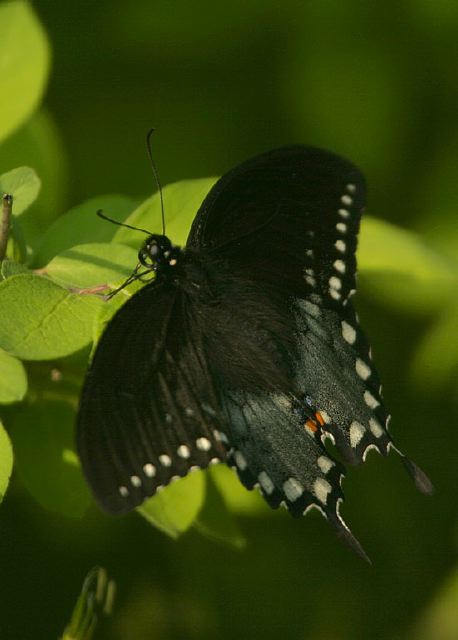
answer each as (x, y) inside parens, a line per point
(7, 207)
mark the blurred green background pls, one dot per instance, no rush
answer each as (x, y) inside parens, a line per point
(375, 81)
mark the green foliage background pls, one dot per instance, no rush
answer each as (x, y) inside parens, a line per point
(81, 84)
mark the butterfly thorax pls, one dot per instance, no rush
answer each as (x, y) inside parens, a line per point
(159, 255)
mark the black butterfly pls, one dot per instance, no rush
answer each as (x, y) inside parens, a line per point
(245, 347)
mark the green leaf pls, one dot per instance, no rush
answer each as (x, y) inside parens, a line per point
(39, 320)
(38, 144)
(175, 508)
(24, 64)
(13, 379)
(215, 521)
(23, 184)
(45, 458)
(181, 202)
(94, 602)
(6, 461)
(435, 364)
(81, 226)
(397, 266)
(234, 494)
(12, 268)
(88, 265)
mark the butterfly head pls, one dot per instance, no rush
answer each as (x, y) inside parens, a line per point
(157, 253)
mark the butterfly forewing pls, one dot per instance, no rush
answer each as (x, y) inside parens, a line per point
(291, 217)
(147, 412)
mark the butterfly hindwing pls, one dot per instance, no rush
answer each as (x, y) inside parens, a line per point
(147, 414)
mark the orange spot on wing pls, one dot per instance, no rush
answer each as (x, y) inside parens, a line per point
(319, 417)
(311, 426)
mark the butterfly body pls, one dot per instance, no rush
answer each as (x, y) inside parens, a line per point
(245, 348)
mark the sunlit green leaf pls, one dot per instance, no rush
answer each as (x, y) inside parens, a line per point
(24, 63)
(235, 496)
(13, 379)
(43, 439)
(38, 144)
(81, 226)
(11, 268)
(88, 265)
(215, 521)
(435, 364)
(23, 184)
(6, 461)
(174, 509)
(94, 602)
(40, 320)
(398, 267)
(181, 202)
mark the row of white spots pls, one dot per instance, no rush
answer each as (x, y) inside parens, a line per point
(183, 451)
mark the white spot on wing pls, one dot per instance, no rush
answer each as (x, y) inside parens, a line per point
(348, 332)
(339, 265)
(325, 464)
(240, 460)
(340, 246)
(343, 213)
(322, 488)
(311, 309)
(362, 369)
(376, 427)
(310, 280)
(341, 227)
(356, 433)
(335, 294)
(149, 469)
(123, 492)
(203, 444)
(335, 282)
(221, 436)
(369, 399)
(165, 460)
(183, 451)
(266, 483)
(293, 489)
(346, 200)
(351, 188)
(136, 482)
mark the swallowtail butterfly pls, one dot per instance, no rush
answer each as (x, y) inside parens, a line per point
(244, 348)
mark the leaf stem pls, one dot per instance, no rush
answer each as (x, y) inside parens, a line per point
(7, 207)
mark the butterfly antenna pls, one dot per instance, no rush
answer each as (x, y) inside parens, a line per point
(156, 175)
(121, 224)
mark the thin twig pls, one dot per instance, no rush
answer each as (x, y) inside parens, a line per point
(7, 206)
